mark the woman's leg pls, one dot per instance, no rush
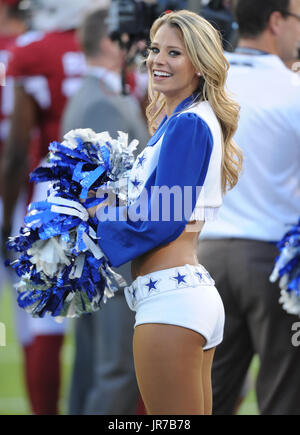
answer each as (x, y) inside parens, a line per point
(208, 357)
(171, 369)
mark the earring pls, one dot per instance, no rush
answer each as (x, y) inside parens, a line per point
(199, 74)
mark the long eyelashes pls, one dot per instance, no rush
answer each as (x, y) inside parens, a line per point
(155, 50)
(174, 53)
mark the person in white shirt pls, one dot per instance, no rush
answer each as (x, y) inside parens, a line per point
(240, 248)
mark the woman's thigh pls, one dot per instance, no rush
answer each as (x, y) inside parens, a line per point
(168, 363)
(208, 357)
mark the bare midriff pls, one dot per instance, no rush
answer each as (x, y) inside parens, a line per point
(181, 251)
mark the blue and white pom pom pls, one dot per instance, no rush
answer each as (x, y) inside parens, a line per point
(62, 270)
(287, 270)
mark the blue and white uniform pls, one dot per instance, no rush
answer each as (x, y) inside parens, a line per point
(184, 154)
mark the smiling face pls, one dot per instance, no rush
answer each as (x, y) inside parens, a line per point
(170, 68)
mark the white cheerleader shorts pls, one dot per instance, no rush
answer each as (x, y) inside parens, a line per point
(184, 296)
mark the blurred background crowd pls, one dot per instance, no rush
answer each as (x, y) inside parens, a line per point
(69, 64)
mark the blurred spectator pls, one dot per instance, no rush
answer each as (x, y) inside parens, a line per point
(240, 247)
(46, 68)
(13, 22)
(103, 380)
(220, 14)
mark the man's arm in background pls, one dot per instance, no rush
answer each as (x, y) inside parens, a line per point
(15, 154)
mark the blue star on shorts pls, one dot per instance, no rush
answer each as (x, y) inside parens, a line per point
(200, 275)
(151, 284)
(179, 278)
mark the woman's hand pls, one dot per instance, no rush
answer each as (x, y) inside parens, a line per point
(93, 210)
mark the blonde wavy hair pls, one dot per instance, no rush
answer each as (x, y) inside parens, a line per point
(203, 45)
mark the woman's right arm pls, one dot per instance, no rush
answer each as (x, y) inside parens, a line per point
(183, 162)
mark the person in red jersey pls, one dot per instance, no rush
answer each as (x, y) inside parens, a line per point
(46, 65)
(13, 23)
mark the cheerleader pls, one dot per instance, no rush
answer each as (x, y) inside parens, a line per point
(175, 185)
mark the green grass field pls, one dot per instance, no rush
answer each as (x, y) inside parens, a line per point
(13, 399)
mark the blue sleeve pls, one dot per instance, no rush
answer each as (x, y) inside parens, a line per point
(182, 166)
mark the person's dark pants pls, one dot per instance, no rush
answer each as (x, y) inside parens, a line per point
(103, 379)
(255, 323)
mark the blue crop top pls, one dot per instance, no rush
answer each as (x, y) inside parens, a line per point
(177, 156)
